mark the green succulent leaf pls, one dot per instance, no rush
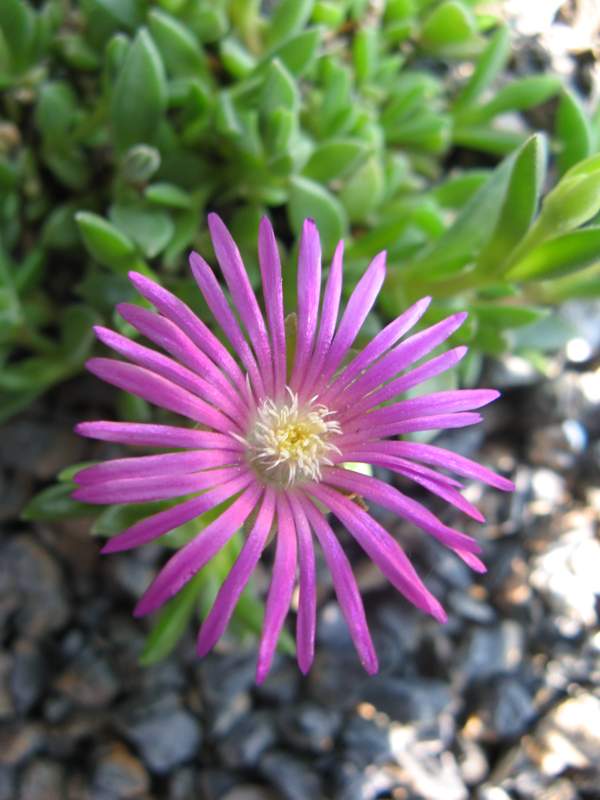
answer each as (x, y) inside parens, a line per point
(489, 65)
(519, 205)
(558, 256)
(310, 199)
(55, 502)
(334, 158)
(573, 131)
(140, 94)
(150, 228)
(105, 242)
(172, 622)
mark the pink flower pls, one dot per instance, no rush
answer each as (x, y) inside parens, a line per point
(274, 440)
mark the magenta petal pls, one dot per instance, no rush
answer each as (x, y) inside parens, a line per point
(345, 587)
(387, 496)
(422, 406)
(378, 346)
(405, 354)
(168, 369)
(181, 315)
(158, 524)
(281, 588)
(151, 466)
(159, 391)
(157, 487)
(307, 600)
(167, 335)
(196, 554)
(270, 268)
(429, 423)
(144, 434)
(360, 303)
(244, 299)
(217, 302)
(329, 313)
(218, 618)
(309, 290)
(429, 369)
(439, 457)
(382, 549)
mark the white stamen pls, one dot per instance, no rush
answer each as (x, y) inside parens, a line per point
(287, 443)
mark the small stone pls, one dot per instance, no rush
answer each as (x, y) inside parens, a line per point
(471, 609)
(250, 792)
(182, 784)
(226, 681)
(7, 706)
(32, 589)
(569, 736)
(247, 741)
(7, 783)
(42, 779)
(119, 774)
(214, 783)
(165, 734)
(282, 683)
(507, 709)
(89, 680)
(292, 778)
(28, 676)
(431, 776)
(410, 700)
(18, 742)
(309, 727)
(472, 762)
(365, 741)
(491, 651)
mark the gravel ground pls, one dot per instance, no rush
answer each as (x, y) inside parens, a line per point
(502, 702)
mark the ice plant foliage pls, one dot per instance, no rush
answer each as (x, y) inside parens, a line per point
(271, 440)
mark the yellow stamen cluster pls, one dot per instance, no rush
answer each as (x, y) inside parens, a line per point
(288, 443)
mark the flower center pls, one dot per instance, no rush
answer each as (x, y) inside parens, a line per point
(288, 443)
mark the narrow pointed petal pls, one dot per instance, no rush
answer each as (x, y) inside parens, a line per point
(360, 303)
(281, 588)
(405, 354)
(422, 406)
(270, 269)
(158, 487)
(306, 623)
(329, 315)
(181, 315)
(168, 369)
(309, 289)
(429, 423)
(145, 434)
(196, 554)
(387, 496)
(433, 481)
(156, 525)
(382, 549)
(346, 590)
(440, 457)
(159, 391)
(173, 340)
(217, 302)
(425, 372)
(378, 346)
(154, 466)
(244, 299)
(218, 618)
(447, 493)
(150, 528)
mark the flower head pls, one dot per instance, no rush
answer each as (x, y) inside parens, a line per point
(271, 440)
